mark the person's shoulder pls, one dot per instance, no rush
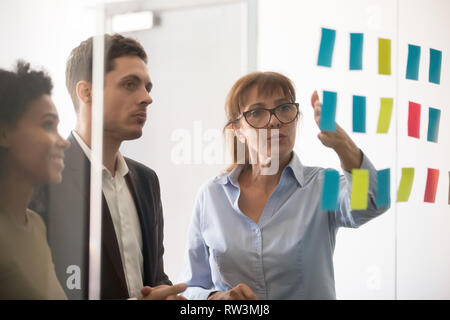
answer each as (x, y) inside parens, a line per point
(36, 220)
(214, 183)
(140, 168)
(303, 172)
(312, 173)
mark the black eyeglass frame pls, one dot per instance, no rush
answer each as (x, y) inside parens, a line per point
(271, 111)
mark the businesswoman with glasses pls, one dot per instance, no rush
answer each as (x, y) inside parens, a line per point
(258, 230)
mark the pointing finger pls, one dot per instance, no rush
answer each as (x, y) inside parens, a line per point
(314, 98)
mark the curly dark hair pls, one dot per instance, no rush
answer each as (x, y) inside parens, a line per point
(18, 88)
(79, 63)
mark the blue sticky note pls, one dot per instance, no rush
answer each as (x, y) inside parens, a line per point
(359, 114)
(326, 47)
(412, 68)
(356, 50)
(434, 115)
(383, 197)
(435, 66)
(328, 115)
(330, 189)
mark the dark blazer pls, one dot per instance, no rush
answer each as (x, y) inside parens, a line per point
(65, 209)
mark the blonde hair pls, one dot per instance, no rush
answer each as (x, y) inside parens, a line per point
(266, 83)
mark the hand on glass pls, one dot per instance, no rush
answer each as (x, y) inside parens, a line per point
(348, 152)
(240, 292)
(163, 292)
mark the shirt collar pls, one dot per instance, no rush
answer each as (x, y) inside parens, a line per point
(294, 166)
(230, 176)
(121, 168)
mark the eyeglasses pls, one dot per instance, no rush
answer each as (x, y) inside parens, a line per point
(260, 118)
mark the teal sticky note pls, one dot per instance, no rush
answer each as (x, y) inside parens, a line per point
(330, 189)
(356, 50)
(359, 114)
(328, 115)
(326, 47)
(383, 197)
(434, 75)
(434, 115)
(412, 67)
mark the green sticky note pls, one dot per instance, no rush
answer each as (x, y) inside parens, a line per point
(404, 190)
(384, 118)
(384, 56)
(360, 189)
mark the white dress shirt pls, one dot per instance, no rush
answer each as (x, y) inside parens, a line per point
(125, 219)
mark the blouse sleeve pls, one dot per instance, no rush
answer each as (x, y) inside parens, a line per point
(196, 270)
(344, 215)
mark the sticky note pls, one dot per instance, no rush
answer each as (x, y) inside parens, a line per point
(356, 50)
(326, 47)
(384, 118)
(328, 115)
(434, 115)
(330, 189)
(412, 67)
(383, 197)
(384, 56)
(360, 189)
(404, 190)
(434, 75)
(414, 120)
(359, 114)
(431, 186)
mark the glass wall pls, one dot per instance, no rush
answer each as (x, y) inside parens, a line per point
(118, 220)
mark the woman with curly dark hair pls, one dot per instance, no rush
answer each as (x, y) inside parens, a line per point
(31, 154)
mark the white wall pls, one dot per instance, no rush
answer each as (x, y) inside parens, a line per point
(423, 237)
(44, 32)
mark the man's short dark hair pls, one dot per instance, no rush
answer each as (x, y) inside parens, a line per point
(18, 89)
(79, 64)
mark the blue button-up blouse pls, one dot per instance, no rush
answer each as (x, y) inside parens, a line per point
(288, 254)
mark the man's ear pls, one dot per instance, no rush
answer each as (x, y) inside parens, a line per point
(5, 137)
(84, 92)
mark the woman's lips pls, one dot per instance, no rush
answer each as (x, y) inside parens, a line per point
(279, 137)
(58, 160)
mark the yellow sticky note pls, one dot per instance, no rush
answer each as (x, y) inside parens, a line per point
(384, 118)
(404, 190)
(384, 56)
(360, 189)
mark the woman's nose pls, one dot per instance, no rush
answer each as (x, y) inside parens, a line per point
(274, 122)
(63, 143)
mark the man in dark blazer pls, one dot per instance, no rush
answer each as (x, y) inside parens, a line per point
(132, 220)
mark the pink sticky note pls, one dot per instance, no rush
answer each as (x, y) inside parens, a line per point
(431, 187)
(414, 120)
